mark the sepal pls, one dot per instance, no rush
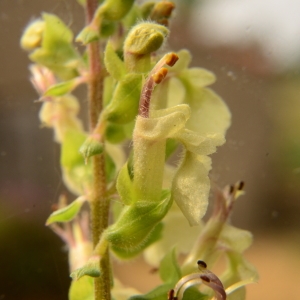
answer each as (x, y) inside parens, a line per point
(135, 224)
(91, 268)
(91, 146)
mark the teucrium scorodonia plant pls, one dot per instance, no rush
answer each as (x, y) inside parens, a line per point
(139, 203)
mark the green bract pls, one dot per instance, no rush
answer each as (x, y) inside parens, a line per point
(67, 213)
(57, 52)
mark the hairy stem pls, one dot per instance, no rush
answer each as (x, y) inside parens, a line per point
(100, 204)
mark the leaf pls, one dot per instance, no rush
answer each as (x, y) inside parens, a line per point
(169, 270)
(61, 88)
(70, 155)
(123, 107)
(158, 293)
(57, 52)
(114, 65)
(67, 213)
(55, 31)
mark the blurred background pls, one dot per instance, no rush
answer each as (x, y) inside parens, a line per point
(253, 47)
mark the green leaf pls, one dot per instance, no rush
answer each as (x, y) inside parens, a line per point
(72, 142)
(114, 65)
(61, 88)
(169, 270)
(91, 268)
(67, 213)
(158, 293)
(55, 31)
(57, 52)
(82, 289)
(76, 175)
(123, 107)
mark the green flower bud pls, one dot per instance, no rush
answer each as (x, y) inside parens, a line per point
(115, 10)
(141, 41)
(146, 9)
(145, 38)
(33, 34)
(123, 107)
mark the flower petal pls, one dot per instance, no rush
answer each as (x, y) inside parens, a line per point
(190, 188)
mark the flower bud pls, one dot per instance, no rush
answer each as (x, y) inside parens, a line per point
(162, 12)
(141, 41)
(32, 36)
(115, 10)
(145, 38)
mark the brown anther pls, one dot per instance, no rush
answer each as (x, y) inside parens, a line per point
(171, 59)
(205, 278)
(202, 264)
(160, 75)
(241, 185)
(171, 295)
(231, 189)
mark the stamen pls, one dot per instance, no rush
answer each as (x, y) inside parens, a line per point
(241, 185)
(171, 59)
(160, 75)
(202, 264)
(157, 74)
